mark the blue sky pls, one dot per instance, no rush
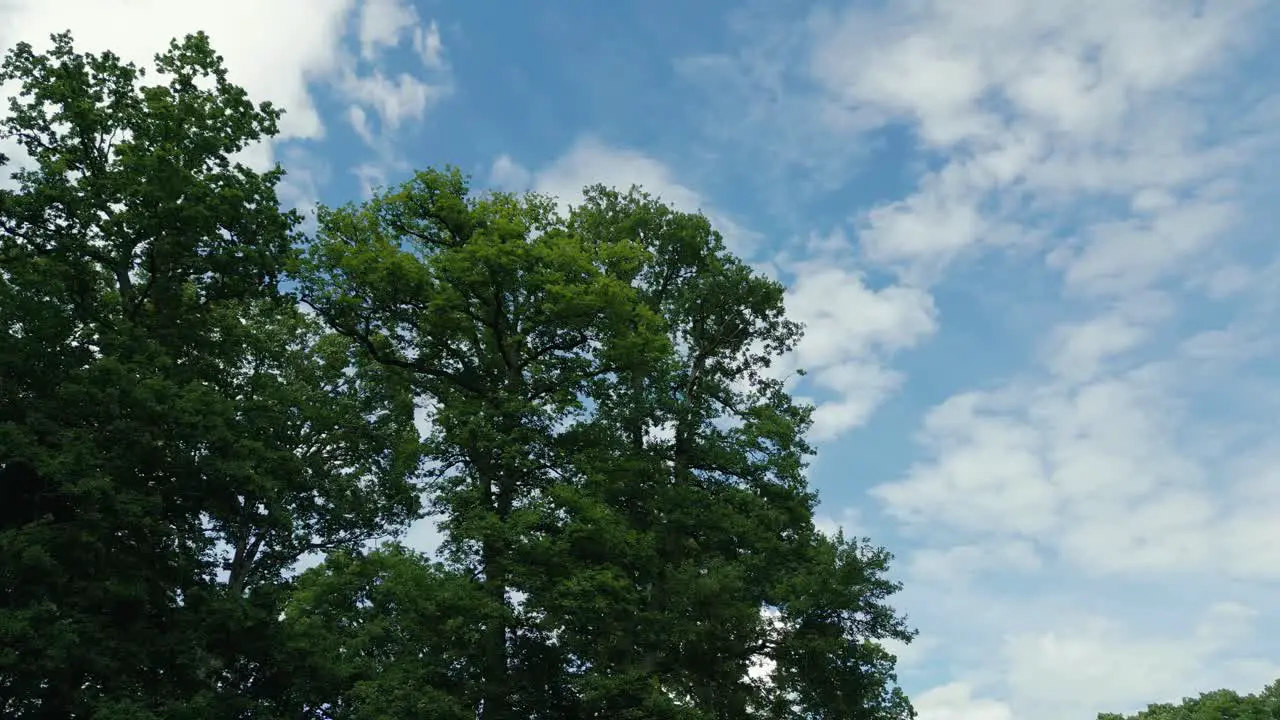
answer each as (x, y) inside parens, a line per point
(1033, 241)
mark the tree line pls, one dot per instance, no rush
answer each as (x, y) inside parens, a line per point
(1217, 705)
(196, 395)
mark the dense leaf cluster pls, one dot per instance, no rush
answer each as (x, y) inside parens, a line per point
(194, 397)
(1217, 705)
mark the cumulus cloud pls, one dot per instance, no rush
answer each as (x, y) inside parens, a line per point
(285, 68)
(848, 521)
(852, 330)
(1076, 664)
(955, 701)
(379, 103)
(961, 563)
(1094, 662)
(590, 161)
(271, 65)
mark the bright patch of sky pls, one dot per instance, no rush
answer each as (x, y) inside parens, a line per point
(1033, 241)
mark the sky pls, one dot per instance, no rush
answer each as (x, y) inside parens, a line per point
(1028, 239)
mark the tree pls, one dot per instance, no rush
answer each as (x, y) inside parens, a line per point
(174, 432)
(1217, 705)
(621, 479)
(393, 635)
(721, 498)
(492, 308)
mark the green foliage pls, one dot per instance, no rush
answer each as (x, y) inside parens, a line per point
(1217, 705)
(493, 306)
(174, 433)
(394, 636)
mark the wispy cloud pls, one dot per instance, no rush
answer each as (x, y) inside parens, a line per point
(381, 103)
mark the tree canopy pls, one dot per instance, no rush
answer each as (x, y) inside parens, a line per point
(174, 432)
(195, 396)
(1217, 705)
(621, 479)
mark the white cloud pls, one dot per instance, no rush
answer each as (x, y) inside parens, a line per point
(1106, 473)
(910, 655)
(383, 26)
(851, 331)
(393, 99)
(1072, 663)
(960, 563)
(359, 121)
(1094, 663)
(849, 521)
(508, 175)
(382, 22)
(1078, 351)
(1133, 253)
(590, 161)
(1051, 98)
(300, 189)
(270, 64)
(955, 701)
(930, 227)
(381, 104)
(282, 67)
(429, 45)
(891, 319)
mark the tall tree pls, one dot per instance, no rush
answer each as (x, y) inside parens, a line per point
(174, 433)
(619, 475)
(701, 458)
(494, 308)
